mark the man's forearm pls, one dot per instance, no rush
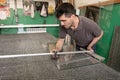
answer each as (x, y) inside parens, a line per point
(59, 44)
(94, 41)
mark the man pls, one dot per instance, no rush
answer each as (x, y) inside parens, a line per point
(84, 31)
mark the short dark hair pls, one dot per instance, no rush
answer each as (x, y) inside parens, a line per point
(65, 8)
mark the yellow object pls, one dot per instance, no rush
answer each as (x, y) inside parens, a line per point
(2, 2)
(50, 9)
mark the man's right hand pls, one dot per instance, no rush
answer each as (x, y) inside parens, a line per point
(54, 54)
(58, 48)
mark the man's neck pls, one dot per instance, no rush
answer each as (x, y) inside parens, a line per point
(75, 23)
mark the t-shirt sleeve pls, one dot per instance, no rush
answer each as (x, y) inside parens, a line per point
(96, 30)
(62, 33)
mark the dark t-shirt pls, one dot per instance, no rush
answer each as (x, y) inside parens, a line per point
(85, 32)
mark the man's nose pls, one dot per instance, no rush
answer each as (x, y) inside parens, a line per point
(62, 23)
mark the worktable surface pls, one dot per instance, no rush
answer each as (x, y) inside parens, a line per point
(42, 67)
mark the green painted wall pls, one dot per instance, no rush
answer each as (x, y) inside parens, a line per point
(108, 19)
(28, 20)
(9, 21)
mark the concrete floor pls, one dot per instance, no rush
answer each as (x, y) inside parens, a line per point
(42, 67)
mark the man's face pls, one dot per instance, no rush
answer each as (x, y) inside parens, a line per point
(66, 22)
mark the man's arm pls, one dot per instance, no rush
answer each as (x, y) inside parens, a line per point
(59, 44)
(94, 41)
(58, 48)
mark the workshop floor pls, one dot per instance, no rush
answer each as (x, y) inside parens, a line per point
(42, 67)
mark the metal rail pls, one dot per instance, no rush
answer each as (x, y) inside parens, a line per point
(35, 25)
(39, 54)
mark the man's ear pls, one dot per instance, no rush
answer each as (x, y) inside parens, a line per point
(72, 16)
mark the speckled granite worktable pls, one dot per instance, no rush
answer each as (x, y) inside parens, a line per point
(42, 67)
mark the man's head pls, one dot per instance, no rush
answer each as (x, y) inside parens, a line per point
(65, 13)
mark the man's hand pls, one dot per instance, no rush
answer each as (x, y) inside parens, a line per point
(90, 49)
(54, 54)
(58, 48)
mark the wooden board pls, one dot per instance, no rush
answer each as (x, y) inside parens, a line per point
(114, 55)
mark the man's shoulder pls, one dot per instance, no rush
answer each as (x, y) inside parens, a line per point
(86, 20)
(83, 18)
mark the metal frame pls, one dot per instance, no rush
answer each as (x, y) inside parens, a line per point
(35, 25)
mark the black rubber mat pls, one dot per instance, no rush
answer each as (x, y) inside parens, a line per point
(25, 43)
(42, 67)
